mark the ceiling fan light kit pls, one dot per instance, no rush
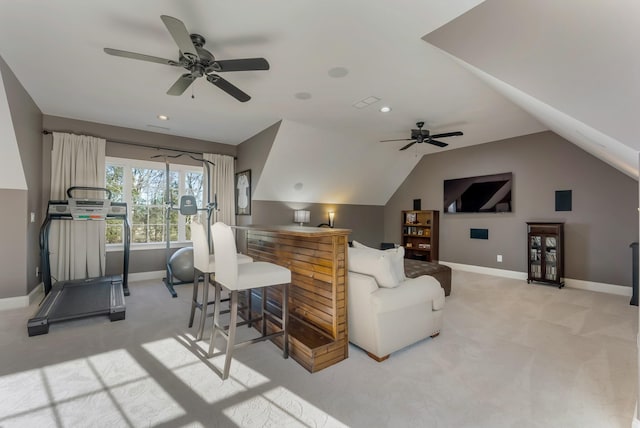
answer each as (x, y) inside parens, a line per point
(198, 61)
(424, 136)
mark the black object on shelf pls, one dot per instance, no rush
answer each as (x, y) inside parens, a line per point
(634, 275)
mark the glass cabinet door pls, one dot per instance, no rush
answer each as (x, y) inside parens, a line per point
(535, 256)
(550, 258)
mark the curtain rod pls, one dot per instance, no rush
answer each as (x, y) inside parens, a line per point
(128, 143)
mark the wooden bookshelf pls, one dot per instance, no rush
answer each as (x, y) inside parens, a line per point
(420, 231)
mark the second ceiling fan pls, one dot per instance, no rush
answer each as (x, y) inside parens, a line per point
(197, 60)
(424, 136)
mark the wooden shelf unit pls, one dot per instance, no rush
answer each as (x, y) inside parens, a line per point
(545, 249)
(420, 232)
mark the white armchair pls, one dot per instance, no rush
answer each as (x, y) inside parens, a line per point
(385, 319)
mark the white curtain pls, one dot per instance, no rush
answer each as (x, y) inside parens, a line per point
(77, 247)
(222, 187)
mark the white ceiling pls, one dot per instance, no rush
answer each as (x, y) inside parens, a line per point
(572, 64)
(55, 49)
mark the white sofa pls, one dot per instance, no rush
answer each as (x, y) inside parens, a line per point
(385, 319)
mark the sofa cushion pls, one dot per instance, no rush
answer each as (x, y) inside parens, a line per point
(397, 258)
(377, 264)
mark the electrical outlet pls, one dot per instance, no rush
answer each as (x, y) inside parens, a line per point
(499, 258)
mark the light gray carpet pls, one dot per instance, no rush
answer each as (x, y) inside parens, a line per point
(510, 355)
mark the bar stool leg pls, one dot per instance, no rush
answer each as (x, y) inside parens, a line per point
(248, 313)
(231, 340)
(216, 318)
(285, 321)
(205, 303)
(263, 325)
(194, 298)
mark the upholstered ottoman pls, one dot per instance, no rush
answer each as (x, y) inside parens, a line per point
(415, 268)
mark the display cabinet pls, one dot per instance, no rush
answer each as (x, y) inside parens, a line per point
(420, 234)
(545, 249)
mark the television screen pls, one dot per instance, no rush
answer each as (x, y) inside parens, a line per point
(482, 194)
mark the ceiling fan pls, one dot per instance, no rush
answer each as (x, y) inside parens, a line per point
(198, 61)
(423, 136)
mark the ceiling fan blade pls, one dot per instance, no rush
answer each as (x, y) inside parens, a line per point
(241, 64)
(402, 139)
(228, 87)
(181, 37)
(408, 145)
(181, 84)
(436, 143)
(448, 134)
(141, 57)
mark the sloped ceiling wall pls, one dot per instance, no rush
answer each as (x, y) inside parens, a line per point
(11, 172)
(571, 64)
(308, 164)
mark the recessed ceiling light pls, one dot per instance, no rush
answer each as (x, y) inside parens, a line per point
(163, 117)
(385, 109)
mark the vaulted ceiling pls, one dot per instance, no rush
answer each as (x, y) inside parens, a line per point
(501, 69)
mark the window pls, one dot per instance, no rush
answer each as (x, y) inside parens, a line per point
(142, 185)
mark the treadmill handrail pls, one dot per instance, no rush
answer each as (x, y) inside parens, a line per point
(104, 189)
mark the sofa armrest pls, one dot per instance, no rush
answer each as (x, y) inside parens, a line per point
(361, 285)
(421, 290)
(361, 315)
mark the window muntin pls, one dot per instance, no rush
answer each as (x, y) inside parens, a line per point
(142, 185)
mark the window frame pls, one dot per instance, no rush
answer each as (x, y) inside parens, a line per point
(182, 169)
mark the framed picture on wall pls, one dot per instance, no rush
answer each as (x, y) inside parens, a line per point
(243, 192)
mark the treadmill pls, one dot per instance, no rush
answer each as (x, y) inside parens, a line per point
(79, 298)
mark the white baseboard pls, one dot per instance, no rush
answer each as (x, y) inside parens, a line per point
(636, 422)
(146, 276)
(486, 270)
(600, 287)
(22, 301)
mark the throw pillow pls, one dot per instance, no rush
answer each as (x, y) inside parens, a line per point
(397, 258)
(376, 264)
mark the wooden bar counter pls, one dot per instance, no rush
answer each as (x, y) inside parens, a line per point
(317, 258)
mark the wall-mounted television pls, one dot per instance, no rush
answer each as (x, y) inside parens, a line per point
(481, 194)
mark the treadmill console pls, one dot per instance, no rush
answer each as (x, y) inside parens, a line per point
(87, 209)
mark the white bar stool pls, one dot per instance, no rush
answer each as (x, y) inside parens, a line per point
(205, 263)
(236, 277)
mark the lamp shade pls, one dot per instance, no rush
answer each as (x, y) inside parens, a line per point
(301, 216)
(331, 218)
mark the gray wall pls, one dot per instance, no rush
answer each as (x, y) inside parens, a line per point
(365, 221)
(598, 231)
(13, 245)
(253, 154)
(141, 260)
(19, 247)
